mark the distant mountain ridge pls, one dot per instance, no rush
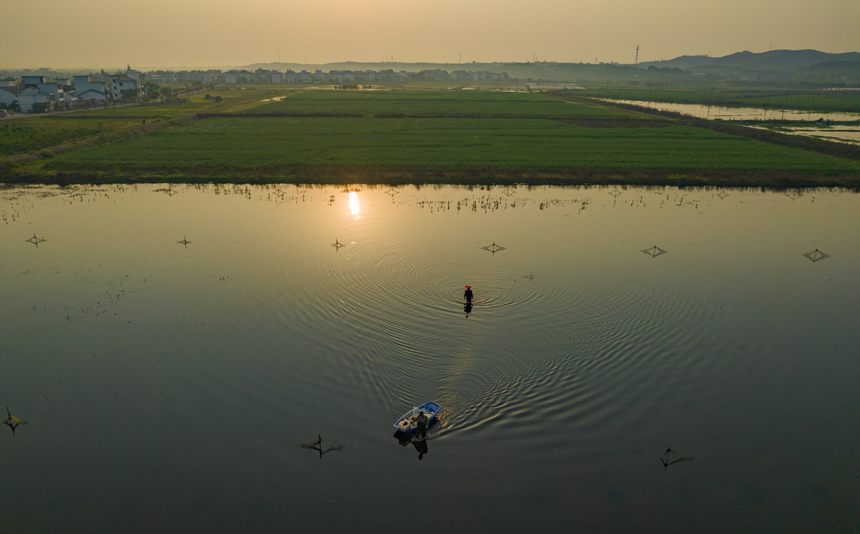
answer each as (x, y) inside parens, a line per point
(773, 60)
(775, 66)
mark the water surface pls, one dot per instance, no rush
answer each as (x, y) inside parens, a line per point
(741, 113)
(166, 384)
(840, 133)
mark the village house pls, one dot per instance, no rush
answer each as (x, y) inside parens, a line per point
(184, 76)
(161, 76)
(86, 89)
(55, 89)
(120, 83)
(31, 99)
(133, 74)
(8, 95)
(35, 91)
(434, 74)
(386, 74)
(262, 76)
(237, 76)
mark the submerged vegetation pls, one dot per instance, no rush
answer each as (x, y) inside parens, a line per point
(443, 136)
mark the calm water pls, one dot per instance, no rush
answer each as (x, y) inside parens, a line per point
(742, 114)
(841, 133)
(167, 385)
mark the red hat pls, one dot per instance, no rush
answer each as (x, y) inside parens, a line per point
(468, 287)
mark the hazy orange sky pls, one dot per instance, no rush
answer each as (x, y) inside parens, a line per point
(204, 33)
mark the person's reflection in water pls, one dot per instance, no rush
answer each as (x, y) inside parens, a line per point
(468, 296)
(420, 444)
(421, 447)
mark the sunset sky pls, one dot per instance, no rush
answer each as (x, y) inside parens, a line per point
(223, 33)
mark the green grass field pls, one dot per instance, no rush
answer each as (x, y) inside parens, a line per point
(438, 103)
(282, 143)
(463, 133)
(35, 134)
(30, 134)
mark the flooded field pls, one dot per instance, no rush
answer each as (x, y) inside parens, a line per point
(839, 133)
(741, 114)
(171, 347)
(847, 133)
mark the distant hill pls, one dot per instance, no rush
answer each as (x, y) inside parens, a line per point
(773, 66)
(774, 60)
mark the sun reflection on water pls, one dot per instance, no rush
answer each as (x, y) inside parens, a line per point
(353, 204)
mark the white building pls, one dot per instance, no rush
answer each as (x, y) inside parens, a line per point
(120, 83)
(35, 90)
(8, 94)
(91, 95)
(30, 96)
(196, 76)
(55, 89)
(262, 76)
(86, 89)
(161, 76)
(237, 76)
(277, 77)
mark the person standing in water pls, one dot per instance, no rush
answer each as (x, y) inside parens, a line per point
(468, 295)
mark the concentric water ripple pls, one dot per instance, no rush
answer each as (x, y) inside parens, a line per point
(211, 361)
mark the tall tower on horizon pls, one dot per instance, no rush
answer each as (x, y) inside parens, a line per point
(637, 55)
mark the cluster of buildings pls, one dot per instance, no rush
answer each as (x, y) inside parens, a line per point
(184, 76)
(37, 94)
(264, 76)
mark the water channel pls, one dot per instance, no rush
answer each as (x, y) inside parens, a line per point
(170, 346)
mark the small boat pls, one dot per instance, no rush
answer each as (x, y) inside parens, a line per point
(408, 423)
